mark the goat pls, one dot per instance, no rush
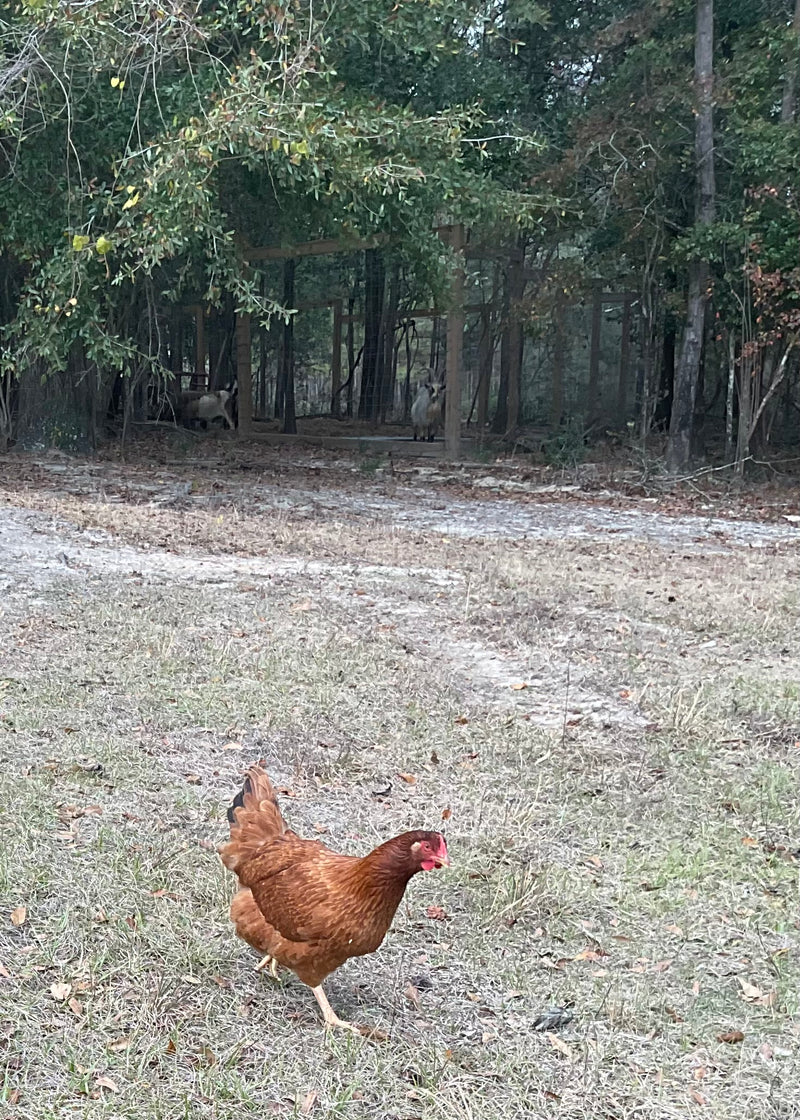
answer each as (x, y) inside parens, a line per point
(426, 411)
(206, 406)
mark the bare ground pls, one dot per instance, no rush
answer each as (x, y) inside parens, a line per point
(600, 695)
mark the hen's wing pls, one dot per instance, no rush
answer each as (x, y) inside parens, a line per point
(250, 923)
(303, 889)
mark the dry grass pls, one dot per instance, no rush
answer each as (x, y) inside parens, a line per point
(641, 870)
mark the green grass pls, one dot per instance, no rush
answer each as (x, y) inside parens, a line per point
(642, 875)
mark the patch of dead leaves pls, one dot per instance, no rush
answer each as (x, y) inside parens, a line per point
(752, 994)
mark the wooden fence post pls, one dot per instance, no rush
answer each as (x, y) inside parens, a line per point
(455, 344)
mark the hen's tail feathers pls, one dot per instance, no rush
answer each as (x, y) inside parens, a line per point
(254, 817)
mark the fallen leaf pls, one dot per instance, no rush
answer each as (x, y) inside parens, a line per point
(518, 686)
(461, 720)
(60, 991)
(171, 1048)
(561, 1046)
(100, 916)
(106, 1083)
(589, 954)
(308, 1102)
(4, 971)
(306, 605)
(749, 841)
(119, 1044)
(437, 913)
(412, 995)
(673, 1014)
(410, 778)
(232, 746)
(192, 779)
(675, 929)
(698, 1098)
(19, 916)
(447, 814)
(766, 1051)
(662, 966)
(750, 992)
(75, 1006)
(731, 1036)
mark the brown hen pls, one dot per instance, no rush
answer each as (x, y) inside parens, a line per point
(308, 908)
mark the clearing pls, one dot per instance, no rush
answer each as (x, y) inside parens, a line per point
(600, 696)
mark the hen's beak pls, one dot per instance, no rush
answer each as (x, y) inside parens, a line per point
(442, 860)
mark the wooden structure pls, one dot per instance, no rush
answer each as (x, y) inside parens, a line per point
(455, 327)
(511, 352)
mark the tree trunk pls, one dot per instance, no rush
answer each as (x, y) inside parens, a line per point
(789, 99)
(287, 353)
(388, 323)
(372, 362)
(730, 395)
(679, 448)
(500, 420)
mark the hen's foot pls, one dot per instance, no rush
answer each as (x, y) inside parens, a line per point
(332, 1019)
(270, 963)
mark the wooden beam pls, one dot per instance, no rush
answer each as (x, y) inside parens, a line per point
(559, 346)
(199, 377)
(455, 343)
(485, 363)
(516, 282)
(336, 358)
(244, 372)
(592, 394)
(624, 362)
(429, 312)
(317, 248)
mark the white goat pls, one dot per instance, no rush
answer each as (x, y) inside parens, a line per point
(426, 411)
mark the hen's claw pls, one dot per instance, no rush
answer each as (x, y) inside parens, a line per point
(270, 963)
